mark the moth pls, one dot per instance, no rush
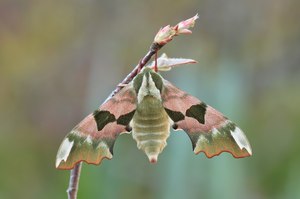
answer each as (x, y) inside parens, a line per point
(148, 107)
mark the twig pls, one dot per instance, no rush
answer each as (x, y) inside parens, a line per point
(153, 50)
(163, 36)
(74, 181)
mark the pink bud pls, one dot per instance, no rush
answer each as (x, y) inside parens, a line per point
(183, 26)
(167, 33)
(164, 35)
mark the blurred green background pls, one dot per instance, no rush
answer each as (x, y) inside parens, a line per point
(59, 60)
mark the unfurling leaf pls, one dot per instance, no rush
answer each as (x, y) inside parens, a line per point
(183, 27)
(164, 63)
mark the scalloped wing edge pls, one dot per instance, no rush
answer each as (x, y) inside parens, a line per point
(227, 138)
(76, 148)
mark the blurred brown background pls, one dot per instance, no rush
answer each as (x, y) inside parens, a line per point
(59, 60)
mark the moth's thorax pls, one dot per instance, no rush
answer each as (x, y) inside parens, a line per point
(148, 83)
(150, 127)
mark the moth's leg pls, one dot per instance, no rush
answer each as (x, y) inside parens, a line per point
(122, 85)
(155, 62)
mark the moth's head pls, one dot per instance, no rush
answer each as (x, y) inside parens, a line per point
(148, 76)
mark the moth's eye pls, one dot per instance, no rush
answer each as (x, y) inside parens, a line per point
(137, 82)
(157, 80)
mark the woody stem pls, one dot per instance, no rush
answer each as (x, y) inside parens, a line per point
(74, 181)
(152, 51)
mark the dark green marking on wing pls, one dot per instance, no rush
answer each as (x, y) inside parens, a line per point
(125, 119)
(102, 118)
(175, 115)
(197, 112)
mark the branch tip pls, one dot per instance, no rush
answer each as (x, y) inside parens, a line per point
(166, 34)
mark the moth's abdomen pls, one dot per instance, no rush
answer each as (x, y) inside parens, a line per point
(150, 127)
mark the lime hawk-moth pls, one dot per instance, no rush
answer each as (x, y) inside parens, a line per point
(148, 107)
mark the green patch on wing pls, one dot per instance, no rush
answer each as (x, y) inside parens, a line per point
(76, 148)
(176, 116)
(197, 112)
(102, 118)
(125, 119)
(228, 138)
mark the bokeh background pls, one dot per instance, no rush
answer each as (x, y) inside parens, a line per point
(59, 60)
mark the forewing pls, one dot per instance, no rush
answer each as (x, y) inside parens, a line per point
(93, 138)
(209, 131)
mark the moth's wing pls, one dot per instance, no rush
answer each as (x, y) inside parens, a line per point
(209, 131)
(93, 138)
